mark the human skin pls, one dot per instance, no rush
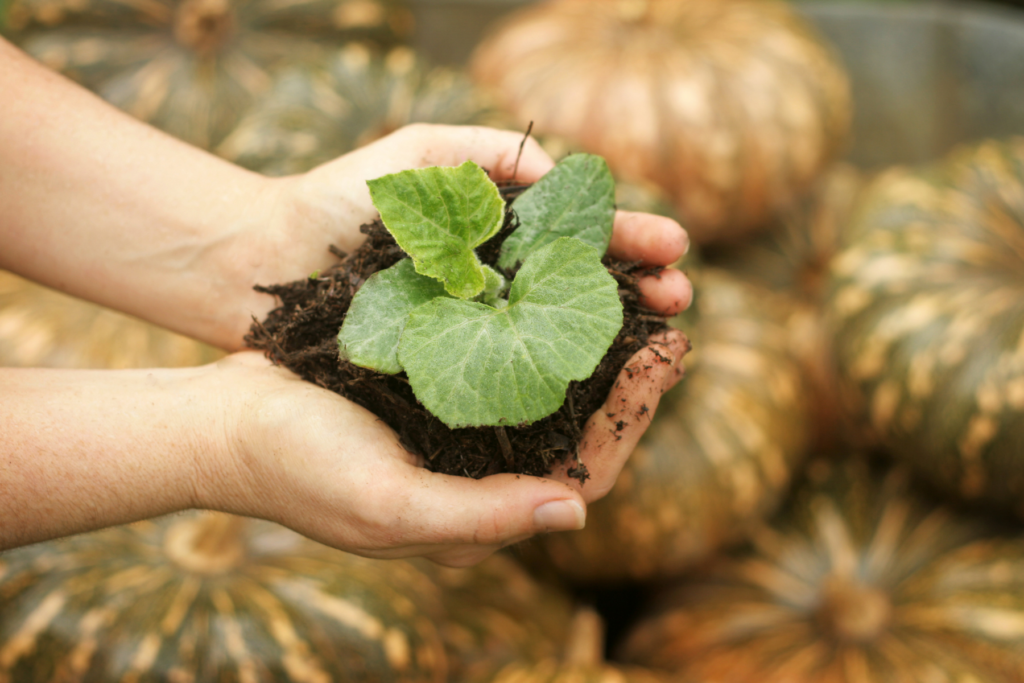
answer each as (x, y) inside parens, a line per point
(103, 207)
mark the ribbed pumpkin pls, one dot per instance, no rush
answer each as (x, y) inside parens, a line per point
(40, 327)
(861, 581)
(581, 661)
(314, 115)
(793, 256)
(193, 67)
(497, 614)
(732, 106)
(927, 306)
(722, 448)
(190, 598)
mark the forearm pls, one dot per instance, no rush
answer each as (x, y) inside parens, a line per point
(103, 207)
(86, 449)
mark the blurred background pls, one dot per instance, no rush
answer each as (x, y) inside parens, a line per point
(833, 494)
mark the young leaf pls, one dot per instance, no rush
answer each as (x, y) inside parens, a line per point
(471, 364)
(438, 216)
(574, 199)
(495, 286)
(378, 313)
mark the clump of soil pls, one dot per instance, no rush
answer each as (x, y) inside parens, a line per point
(301, 334)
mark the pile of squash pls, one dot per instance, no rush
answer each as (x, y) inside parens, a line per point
(834, 492)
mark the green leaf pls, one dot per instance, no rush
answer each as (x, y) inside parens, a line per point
(574, 199)
(471, 364)
(438, 215)
(378, 313)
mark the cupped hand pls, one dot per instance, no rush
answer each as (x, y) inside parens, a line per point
(329, 469)
(327, 205)
(307, 458)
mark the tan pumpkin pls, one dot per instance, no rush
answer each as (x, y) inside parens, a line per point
(193, 67)
(927, 310)
(861, 581)
(719, 455)
(40, 327)
(197, 598)
(732, 106)
(312, 115)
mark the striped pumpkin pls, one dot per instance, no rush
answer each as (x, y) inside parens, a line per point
(40, 327)
(213, 597)
(927, 304)
(861, 581)
(719, 455)
(314, 115)
(581, 661)
(193, 67)
(190, 598)
(497, 615)
(794, 257)
(732, 106)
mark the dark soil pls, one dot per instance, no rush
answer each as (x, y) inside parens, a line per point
(301, 334)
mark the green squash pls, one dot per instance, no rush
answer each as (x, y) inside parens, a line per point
(498, 615)
(860, 581)
(311, 116)
(196, 598)
(193, 67)
(581, 661)
(213, 597)
(927, 312)
(718, 456)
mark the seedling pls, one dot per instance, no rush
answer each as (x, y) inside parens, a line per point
(477, 349)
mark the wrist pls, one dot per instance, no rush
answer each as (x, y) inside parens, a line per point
(241, 454)
(89, 449)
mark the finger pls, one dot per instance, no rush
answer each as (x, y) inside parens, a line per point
(612, 433)
(666, 293)
(498, 151)
(654, 240)
(449, 555)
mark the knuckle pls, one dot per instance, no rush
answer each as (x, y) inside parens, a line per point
(492, 529)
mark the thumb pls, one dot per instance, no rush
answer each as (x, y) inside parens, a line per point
(439, 511)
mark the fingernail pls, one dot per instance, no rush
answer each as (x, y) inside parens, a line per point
(560, 515)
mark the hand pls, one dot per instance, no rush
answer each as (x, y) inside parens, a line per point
(311, 460)
(327, 205)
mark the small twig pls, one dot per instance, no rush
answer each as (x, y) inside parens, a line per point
(506, 446)
(515, 169)
(509, 189)
(337, 252)
(577, 435)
